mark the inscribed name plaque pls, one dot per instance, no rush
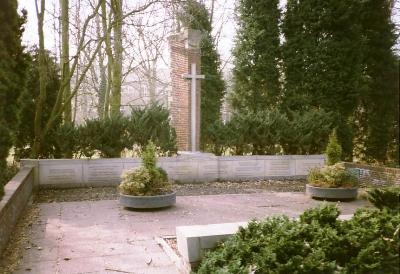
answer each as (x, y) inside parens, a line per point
(241, 169)
(104, 172)
(185, 171)
(208, 170)
(58, 173)
(278, 167)
(303, 166)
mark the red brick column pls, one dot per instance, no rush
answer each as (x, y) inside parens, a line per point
(185, 50)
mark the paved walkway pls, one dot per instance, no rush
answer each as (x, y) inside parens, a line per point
(102, 237)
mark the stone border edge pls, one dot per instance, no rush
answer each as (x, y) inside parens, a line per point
(179, 262)
(18, 192)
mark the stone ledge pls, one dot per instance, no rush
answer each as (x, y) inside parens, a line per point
(17, 194)
(194, 240)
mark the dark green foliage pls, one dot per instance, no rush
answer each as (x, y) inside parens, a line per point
(24, 133)
(5, 144)
(65, 140)
(271, 132)
(7, 172)
(107, 136)
(12, 75)
(388, 198)
(151, 124)
(12, 60)
(257, 55)
(307, 132)
(333, 150)
(322, 60)
(195, 15)
(317, 243)
(380, 101)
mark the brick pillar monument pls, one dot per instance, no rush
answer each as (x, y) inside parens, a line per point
(185, 75)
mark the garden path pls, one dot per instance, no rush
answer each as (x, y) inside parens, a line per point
(102, 237)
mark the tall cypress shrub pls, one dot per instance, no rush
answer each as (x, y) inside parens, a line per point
(256, 75)
(323, 60)
(12, 70)
(379, 104)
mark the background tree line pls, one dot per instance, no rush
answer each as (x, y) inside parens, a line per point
(335, 58)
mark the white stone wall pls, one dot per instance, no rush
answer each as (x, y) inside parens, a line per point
(185, 169)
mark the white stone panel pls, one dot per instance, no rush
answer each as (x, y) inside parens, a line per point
(241, 169)
(303, 166)
(103, 171)
(53, 172)
(284, 167)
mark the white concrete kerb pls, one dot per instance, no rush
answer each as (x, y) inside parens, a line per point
(194, 240)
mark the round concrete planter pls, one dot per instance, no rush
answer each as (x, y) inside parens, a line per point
(144, 202)
(331, 193)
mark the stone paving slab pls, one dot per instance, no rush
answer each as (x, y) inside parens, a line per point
(103, 237)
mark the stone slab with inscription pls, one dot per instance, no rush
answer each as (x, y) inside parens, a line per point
(57, 172)
(285, 167)
(303, 166)
(103, 171)
(241, 169)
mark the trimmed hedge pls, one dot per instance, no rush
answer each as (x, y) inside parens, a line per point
(317, 243)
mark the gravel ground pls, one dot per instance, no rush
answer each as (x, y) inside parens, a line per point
(20, 239)
(110, 193)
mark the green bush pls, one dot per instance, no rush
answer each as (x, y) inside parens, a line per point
(7, 172)
(107, 136)
(151, 123)
(385, 198)
(148, 180)
(270, 132)
(332, 176)
(66, 136)
(316, 243)
(333, 150)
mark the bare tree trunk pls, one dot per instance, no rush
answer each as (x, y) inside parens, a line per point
(116, 6)
(101, 92)
(65, 69)
(110, 58)
(42, 82)
(152, 78)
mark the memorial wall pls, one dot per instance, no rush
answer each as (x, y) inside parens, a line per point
(185, 169)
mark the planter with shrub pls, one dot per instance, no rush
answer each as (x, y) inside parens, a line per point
(148, 186)
(316, 243)
(332, 181)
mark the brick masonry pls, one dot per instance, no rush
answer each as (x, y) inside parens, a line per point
(182, 56)
(374, 175)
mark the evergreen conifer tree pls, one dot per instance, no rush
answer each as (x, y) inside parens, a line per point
(323, 60)
(379, 102)
(12, 70)
(24, 132)
(256, 73)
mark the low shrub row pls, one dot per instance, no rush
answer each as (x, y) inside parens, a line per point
(317, 243)
(270, 132)
(109, 137)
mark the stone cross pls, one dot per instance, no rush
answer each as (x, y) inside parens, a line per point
(193, 76)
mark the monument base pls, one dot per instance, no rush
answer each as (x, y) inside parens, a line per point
(195, 154)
